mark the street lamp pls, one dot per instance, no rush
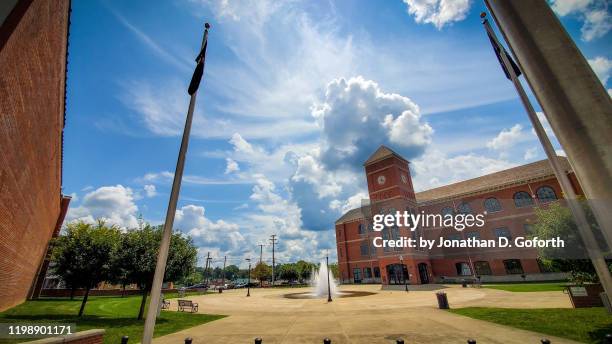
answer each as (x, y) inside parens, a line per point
(401, 258)
(329, 298)
(249, 280)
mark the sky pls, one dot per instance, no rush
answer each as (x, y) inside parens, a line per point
(296, 95)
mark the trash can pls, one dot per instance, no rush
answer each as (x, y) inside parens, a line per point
(464, 283)
(442, 300)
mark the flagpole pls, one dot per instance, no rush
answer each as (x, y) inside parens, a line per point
(584, 229)
(162, 256)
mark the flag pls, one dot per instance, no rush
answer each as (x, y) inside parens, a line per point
(198, 72)
(496, 48)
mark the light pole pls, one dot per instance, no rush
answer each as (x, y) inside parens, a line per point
(329, 298)
(405, 279)
(249, 279)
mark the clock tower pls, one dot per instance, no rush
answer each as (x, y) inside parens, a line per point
(388, 177)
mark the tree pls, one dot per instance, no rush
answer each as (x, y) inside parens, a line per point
(261, 272)
(304, 270)
(555, 221)
(82, 257)
(138, 254)
(231, 272)
(288, 272)
(333, 267)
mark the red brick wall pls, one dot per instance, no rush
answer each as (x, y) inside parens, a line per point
(32, 81)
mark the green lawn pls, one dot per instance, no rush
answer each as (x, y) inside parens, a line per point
(588, 325)
(114, 314)
(527, 287)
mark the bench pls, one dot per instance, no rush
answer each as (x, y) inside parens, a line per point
(165, 304)
(182, 304)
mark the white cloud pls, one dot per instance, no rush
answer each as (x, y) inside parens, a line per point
(356, 117)
(231, 166)
(507, 138)
(530, 153)
(438, 12)
(150, 190)
(594, 14)
(166, 177)
(435, 169)
(602, 67)
(113, 204)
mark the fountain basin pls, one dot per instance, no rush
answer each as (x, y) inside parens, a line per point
(338, 294)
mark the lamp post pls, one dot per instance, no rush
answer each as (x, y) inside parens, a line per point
(405, 279)
(329, 298)
(249, 279)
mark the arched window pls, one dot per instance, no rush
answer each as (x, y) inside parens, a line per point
(522, 199)
(463, 269)
(362, 228)
(546, 194)
(447, 211)
(513, 266)
(464, 208)
(492, 205)
(482, 268)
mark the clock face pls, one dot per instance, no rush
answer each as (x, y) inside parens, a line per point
(404, 179)
(381, 180)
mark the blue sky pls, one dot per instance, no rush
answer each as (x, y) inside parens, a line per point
(295, 95)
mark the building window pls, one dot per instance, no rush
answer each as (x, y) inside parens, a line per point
(364, 249)
(528, 228)
(513, 266)
(492, 205)
(475, 235)
(464, 208)
(376, 272)
(447, 211)
(546, 194)
(392, 211)
(385, 236)
(482, 268)
(362, 228)
(453, 237)
(372, 249)
(522, 199)
(503, 232)
(357, 275)
(367, 272)
(463, 269)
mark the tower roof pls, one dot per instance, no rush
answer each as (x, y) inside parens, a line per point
(381, 153)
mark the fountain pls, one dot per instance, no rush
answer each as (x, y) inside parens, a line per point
(318, 280)
(318, 283)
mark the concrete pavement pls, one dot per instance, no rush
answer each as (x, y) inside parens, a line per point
(378, 318)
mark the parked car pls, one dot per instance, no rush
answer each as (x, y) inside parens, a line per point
(241, 285)
(198, 286)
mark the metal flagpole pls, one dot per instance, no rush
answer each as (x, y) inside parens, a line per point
(584, 229)
(162, 255)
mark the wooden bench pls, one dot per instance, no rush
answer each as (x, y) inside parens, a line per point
(182, 304)
(165, 304)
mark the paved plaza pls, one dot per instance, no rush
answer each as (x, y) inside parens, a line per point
(378, 318)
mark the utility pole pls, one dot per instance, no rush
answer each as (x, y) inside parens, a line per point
(584, 229)
(206, 267)
(273, 240)
(164, 246)
(260, 253)
(223, 278)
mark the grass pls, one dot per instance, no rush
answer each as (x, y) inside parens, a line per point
(527, 287)
(588, 325)
(116, 315)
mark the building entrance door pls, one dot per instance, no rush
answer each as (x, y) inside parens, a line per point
(423, 274)
(397, 273)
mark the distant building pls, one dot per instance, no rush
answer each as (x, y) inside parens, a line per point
(508, 197)
(33, 49)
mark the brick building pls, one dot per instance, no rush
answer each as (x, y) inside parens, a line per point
(507, 198)
(33, 50)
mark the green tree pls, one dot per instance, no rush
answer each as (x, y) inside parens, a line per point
(82, 256)
(231, 272)
(261, 272)
(334, 269)
(555, 221)
(288, 272)
(138, 253)
(304, 270)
